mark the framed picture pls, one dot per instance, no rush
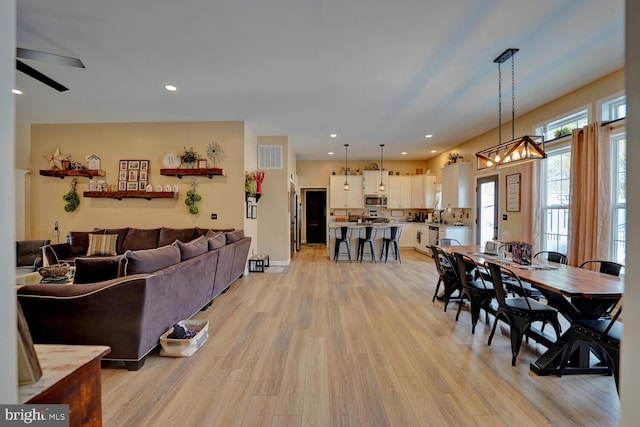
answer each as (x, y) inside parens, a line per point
(29, 370)
(513, 192)
(249, 209)
(133, 175)
(134, 164)
(202, 164)
(254, 211)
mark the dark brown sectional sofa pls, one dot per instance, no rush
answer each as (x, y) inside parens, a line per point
(128, 300)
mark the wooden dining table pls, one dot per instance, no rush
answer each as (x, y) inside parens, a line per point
(577, 293)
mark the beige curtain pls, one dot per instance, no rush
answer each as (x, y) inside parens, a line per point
(531, 205)
(590, 195)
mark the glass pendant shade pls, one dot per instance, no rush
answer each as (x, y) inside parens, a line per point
(381, 186)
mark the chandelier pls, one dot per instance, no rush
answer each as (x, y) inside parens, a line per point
(518, 150)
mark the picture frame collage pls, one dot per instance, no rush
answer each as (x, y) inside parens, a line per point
(133, 175)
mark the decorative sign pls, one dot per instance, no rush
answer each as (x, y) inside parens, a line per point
(133, 175)
(513, 193)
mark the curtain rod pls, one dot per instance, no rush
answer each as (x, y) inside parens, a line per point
(610, 122)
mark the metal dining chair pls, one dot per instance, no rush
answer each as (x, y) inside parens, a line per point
(367, 235)
(448, 242)
(519, 312)
(607, 267)
(447, 275)
(342, 236)
(391, 239)
(476, 290)
(552, 256)
(606, 334)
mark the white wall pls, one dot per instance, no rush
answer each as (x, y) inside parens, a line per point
(630, 371)
(8, 362)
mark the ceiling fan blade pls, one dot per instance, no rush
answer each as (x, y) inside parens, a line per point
(48, 57)
(32, 72)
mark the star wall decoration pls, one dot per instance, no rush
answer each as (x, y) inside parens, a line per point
(55, 159)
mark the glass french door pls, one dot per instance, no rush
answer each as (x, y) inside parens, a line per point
(487, 209)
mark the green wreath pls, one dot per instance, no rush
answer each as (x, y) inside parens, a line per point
(191, 200)
(72, 200)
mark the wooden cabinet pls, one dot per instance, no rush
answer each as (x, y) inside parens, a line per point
(462, 234)
(338, 198)
(423, 191)
(408, 236)
(399, 196)
(372, 182)
(421, 239)
(456, 185)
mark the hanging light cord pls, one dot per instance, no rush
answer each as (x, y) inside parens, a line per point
(499, 103)
(513, 97)
(381, 166)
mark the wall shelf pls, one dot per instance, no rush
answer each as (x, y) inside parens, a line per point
(119, 195)
(210, 172)
(58, 173)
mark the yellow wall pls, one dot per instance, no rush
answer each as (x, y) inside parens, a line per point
(116, 141)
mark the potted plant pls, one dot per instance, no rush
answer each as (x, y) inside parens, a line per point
(249, 184)
(563, 131)
(189, 156)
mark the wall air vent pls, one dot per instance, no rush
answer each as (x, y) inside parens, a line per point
(270, 157)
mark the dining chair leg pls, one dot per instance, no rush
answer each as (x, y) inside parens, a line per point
(435, 294)
(493, 330)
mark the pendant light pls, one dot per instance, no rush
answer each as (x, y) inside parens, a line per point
(518, 150)
(346, 168)
(381, 187)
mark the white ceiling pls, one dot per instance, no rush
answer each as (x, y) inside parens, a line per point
(372, 71)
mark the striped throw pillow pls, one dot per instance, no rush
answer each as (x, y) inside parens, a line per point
(102, 244)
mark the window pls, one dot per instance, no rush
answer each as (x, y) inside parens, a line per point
(619, 196)
(562, 126)
(555, 200)
(613, 108)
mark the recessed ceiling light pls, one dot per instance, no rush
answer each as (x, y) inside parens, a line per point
(331, 153)
(333, 135)
(403, 153)
(170, 88)
(428, 136)
(433, 151)
(16, 92)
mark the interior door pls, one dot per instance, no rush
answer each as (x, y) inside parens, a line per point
(487, 209)
(316, 216)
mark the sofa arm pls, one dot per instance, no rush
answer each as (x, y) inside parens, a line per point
(106, 313)
(55, 253)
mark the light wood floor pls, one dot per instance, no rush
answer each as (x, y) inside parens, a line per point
(349, 345)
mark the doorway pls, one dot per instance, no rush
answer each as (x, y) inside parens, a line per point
(487, 206)
(316, 216)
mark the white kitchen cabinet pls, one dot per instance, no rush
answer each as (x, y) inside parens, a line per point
(461, 234)
(456, 186)
(338, 198)
(399, 196)
(372, 182)
(423, 191)
(420, 243)
(408, 236)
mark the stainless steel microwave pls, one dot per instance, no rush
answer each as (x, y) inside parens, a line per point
(375, 201)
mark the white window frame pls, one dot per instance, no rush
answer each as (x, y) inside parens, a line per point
(541, 128)
(617, 243)
(558, 149)
(607, 100)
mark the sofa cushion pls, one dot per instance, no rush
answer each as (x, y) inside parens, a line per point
(204, 231)
(79, 243)
(216, 239)
(234, 236)
(29, 252)
(121, 232)
(137, 239)
(102, 244)
(193, 248)
(97, 269)
(170, 235)
(150, 260)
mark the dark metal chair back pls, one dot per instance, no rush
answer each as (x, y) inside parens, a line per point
(607, 267)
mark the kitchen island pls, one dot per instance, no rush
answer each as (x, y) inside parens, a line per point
(354, 230)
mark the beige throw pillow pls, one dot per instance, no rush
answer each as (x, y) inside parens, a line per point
(102, 244)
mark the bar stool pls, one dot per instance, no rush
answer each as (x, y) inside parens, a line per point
(368, 237)
(389, 239)
(342, 235)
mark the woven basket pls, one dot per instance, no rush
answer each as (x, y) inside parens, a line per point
(54, 270)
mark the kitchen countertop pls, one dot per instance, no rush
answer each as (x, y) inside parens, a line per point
(389, 224)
